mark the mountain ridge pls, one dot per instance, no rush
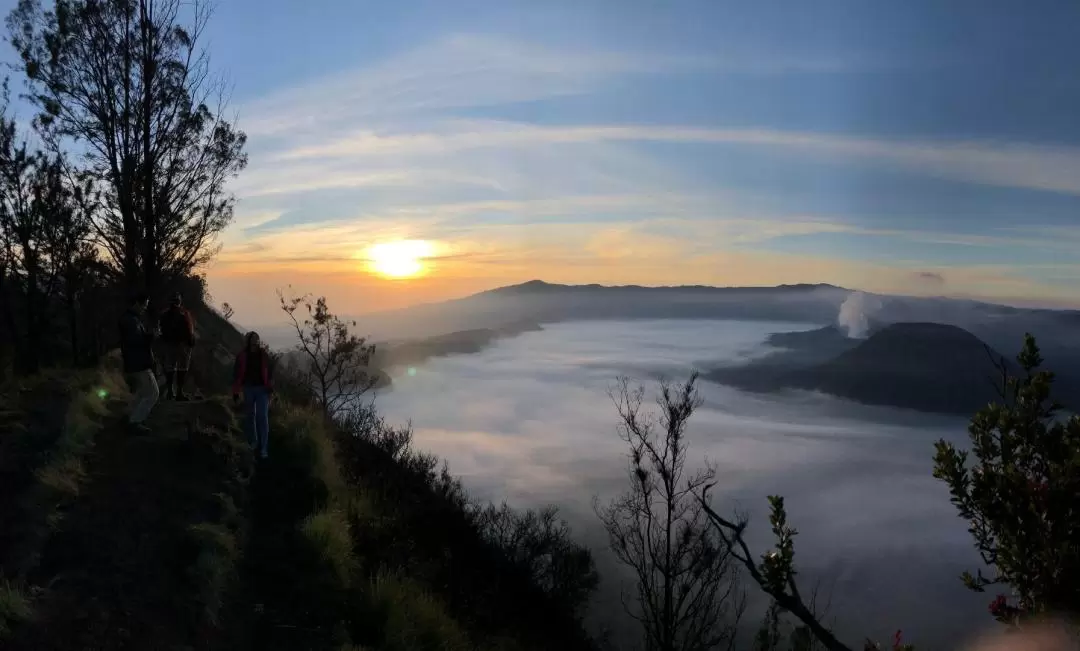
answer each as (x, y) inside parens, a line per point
(537, 285)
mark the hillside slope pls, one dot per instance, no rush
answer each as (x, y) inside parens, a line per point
(922, 366)
(177, 540)
(117, 541)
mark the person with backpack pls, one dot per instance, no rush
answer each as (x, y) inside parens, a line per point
(253, 380)
(137, 351)
(178, 338)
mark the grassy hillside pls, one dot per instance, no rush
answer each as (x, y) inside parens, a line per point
(343, 539)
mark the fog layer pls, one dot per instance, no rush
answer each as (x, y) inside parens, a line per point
(528, 420)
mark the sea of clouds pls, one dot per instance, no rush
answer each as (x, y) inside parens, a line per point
(529, 421)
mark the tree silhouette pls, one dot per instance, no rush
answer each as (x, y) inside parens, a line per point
(126, 82)
(687, 592)
(1021, 495)
(335, 364)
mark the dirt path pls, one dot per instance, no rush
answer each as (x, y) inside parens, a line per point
(289, 599)
(117, 574)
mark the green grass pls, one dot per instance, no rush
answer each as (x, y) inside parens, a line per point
(214, 567)
(413, 619)
(63, 473)
(328, 532)
(52, 461)
(14, 608)
(310, 439)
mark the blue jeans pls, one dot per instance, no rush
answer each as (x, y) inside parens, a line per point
(256, 417)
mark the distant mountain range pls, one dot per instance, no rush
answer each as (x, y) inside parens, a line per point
(915, 350)
(540, 302)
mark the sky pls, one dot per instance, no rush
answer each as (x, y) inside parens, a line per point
(918, 147)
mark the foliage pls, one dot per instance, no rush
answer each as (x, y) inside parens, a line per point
(1019, 494)
(127, 83)
(336, 363)
(540, 542)
(14, 607)
(328, 533)
(214, 566)
(411, 619)
(775, 575)
(47, 258)
(420, 520)
(687, 592)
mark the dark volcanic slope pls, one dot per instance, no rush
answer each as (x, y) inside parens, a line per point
(923, 366)
(462, 342)
(811, 345)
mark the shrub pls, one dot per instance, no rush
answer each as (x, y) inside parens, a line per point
(412, 619)
(1020, 494)
(328, 532)
(14, 608)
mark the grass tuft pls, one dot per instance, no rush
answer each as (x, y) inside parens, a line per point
(328, 532)
(414, 620)
(214, 567)
(65, 411)
(14, 608)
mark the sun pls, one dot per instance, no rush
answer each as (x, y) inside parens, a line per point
(401, 259)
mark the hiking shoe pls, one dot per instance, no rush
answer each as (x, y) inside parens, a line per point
(182, 397)
(263, 455)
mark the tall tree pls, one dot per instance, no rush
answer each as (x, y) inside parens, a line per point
(687, 590)
(22, 219)
(126, 83)
(68, 239)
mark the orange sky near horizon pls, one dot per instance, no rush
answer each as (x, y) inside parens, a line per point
(248, 280)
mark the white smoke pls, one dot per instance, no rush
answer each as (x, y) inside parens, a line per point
(855, 313)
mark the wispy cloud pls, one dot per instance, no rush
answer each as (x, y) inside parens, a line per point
(1009, 164)
(386, 152)
(455, 72)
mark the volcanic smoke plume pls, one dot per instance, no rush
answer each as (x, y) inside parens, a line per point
(855, 313)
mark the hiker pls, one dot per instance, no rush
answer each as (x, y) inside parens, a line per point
(136, 348)
(178, 338)
(253, 378)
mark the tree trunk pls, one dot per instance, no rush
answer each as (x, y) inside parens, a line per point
(151, 263)
(72, 317)
(8, 295)
(32, 349)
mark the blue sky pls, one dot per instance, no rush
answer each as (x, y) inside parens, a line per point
(870, 144)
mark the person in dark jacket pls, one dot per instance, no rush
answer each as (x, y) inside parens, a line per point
(136, 348)
(177, 338)
(253, 379)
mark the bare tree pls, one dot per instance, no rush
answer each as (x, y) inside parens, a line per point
(687, 586)
(127, 82)
(540, 541)
(336, 364)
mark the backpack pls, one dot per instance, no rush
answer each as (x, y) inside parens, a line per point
(176, 326)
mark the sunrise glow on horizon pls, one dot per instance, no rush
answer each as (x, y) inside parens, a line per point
(618, 143)
(400, 259)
